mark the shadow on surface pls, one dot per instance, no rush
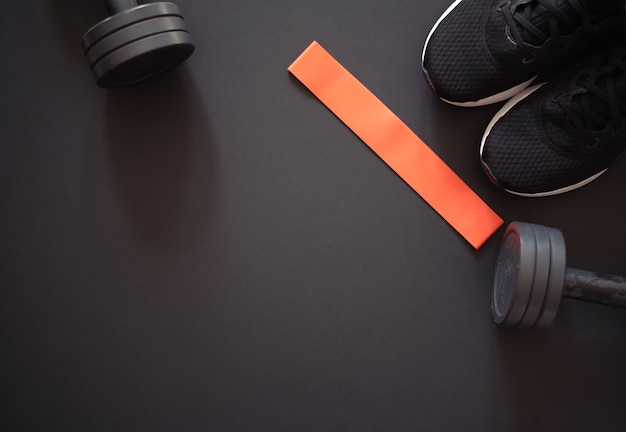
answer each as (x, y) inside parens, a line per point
(161, 151)
(569, 377)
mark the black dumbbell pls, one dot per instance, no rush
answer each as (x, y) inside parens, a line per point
(136, 42)
(531, 277)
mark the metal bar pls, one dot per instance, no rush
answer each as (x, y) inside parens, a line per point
(118, 6)
(595, 287)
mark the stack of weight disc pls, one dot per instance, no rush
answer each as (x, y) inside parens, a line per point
(137, 44)
(529, 275)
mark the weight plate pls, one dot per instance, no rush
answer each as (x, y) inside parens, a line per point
(132, 33)
(540, 276)
(123, 19)
(513, 276)
(143, 59)
(558, 264)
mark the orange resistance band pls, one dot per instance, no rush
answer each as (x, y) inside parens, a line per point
(395, 144)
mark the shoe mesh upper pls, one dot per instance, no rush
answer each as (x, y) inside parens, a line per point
(480, 49)
(544, 144)
(457, 59)
(521, 158)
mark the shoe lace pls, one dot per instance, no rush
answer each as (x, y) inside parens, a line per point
(532, 24)
(600, 106)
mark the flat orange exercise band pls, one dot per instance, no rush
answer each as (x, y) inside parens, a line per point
(395, 144)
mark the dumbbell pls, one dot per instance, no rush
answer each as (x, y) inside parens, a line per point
(531, 277)
(136, 42)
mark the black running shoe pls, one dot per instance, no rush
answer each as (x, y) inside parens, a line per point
(485, 51)
(555, 137)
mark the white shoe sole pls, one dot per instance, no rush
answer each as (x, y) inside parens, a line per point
(495, 98)
(506, 108)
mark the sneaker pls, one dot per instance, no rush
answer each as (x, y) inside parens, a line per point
(485, 51)
(556, 137)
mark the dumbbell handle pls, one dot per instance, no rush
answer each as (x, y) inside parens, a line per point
(117, 6)
(595, 287)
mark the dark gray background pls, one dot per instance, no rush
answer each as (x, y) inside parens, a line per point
(214, 251)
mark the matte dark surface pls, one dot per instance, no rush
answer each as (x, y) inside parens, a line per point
(214, 251)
